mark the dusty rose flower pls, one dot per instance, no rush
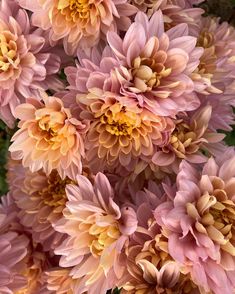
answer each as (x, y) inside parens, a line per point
(49, 137)
(190, 136)
(25, 63)
(216, 66)
(79, 23)
(120, 132)
(174, 11)
(40, 199)
(97, 231)
(156, 66)
(200, 223)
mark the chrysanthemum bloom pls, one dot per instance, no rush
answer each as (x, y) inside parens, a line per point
(97, 231)
(151, 270)
(40, 199)
(49, 137)
(58, 281)
(190, 137)
(121, 132)
(156, 66)
(216, 66)
(200, 223)
(79, 23)
(25, 64)
(174, 11)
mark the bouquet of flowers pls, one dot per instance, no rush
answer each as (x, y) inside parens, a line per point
(119, 178)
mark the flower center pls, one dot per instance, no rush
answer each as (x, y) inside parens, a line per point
(119, 123)
(8, 52)
(181, 140)
(54, 194)
(205, 39)
(216, 216)
(102, 237)
(148, 72)
(75, 10)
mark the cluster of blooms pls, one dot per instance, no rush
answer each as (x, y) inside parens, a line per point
(118, 175)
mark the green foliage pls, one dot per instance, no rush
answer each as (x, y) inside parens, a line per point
(5, 135)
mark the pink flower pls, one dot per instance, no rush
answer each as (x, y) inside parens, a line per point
(25, 63)
(156, 66)
(49, 137)
(216, 66)
(190, 137)
(120, 132)
(40, 199)
(97, 231)
(200, 223)
(79, 23)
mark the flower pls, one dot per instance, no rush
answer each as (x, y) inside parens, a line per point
(40, 199)
(190, 136)
(120, 131)
(59, 281)
(79, 23)
(97, 231)
(49, 137)
(216, 66)
(156, 66)
(200, 223)
(174, 11)
(26, 65)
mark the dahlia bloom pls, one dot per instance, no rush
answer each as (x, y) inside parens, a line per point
(40, 199)
(190, 137)
(79, 23)
(120, 131)
(97, 231)
(49, 137)
(156, 66)
(200, 223)
(25, 62)
(216, 68)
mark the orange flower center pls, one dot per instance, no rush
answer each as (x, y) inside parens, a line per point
(205, 39)
(119, 122)
(75, 10)
(8, 52)
(147, 73)
(54, 193)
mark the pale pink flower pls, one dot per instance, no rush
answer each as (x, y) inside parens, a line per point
(216, 68)
(97, 232)
(174, 11)
(156, 66)
(200, 223)
(49, 137)
(79, 23)
(189, 139)
(25, 62)
(40, 199)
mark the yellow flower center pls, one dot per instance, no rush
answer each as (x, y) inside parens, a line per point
(215, 215)
(75, 10)
(118, 122)
(147, 73)
(102, 237)
(8, 52)
(54, 193)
